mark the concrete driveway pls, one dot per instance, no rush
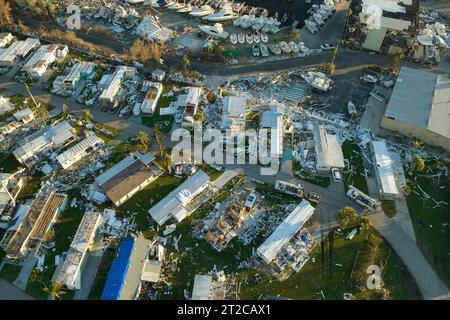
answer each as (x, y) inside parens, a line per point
(10, 292)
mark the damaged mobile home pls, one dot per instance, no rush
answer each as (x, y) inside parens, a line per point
(128, 177)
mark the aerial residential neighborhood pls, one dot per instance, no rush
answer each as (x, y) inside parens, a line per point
(224, 150)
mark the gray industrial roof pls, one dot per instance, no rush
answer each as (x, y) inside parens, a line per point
(421, 99)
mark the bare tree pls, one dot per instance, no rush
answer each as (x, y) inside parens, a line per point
(5, 13)
(144, 52)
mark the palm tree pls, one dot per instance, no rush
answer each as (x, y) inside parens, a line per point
(199, 117)
(186, 62)
(394, 60)
(65, 110)
(143, 141)
(87, 116)
(417, 164)
(160, 141)
(330, 67)
(54, 290)
(168, 161)
(333, 53)
(5, 13)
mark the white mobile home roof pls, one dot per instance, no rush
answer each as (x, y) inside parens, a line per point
(136, 265)
(285, 231)
(202, 287)
(26, 46)
(234, 109)
(110, 92)
(151, 98)
(78, 151)
(60, 133)
(29, 149)
(57, 134)
(328, 149)
(193, 96)
(70, 272)
(174, 203)
(77, 69)
(39, 62)
(24, 113)
(274, 120)
(384, 168)
(8, 55)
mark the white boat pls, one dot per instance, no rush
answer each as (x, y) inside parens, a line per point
(241, 38)
(244, 21)
(135, 1)
(215, 31)
(225, 14)
(285, 48)
(176, 6)
(303, 49)
(264, 50)
(188, 8)
(258, 24)
(202, 11)
(255, 50)
(318, 19)
(249, 38)
(256, 37)
(311, 26)
(275, 49)
(264, 37)
(329, 3)
(327, 8)
(293, 46)
(164, 3)
(233, 38)
(313, 9)
(324, 13)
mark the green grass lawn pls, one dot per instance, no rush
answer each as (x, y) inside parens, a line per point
(358, 179)
(120, 151)
(196, 256)
(199, 257)
(147, 198)
(8, 163)
(388, 207)
(102, 274)
(105, 136)
(431, 225)
(165, 122)
(315, 277)
(10, 272)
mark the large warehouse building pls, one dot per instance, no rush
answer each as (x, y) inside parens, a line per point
(420, 107)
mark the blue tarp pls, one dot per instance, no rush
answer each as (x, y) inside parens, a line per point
(118, 270)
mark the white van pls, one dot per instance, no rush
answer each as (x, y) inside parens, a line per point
(336, 175)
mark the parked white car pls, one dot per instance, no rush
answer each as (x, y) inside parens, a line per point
(336, 175)
(369, 78)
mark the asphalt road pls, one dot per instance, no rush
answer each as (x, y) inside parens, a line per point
(129, 127)
(330, 202)
(429, 283)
